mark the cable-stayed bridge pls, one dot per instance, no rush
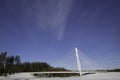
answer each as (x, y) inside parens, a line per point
(75, 61)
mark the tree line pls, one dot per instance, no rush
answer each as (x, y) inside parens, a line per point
(114, 70)
(13, 64)
(8, 64)
(109, 70)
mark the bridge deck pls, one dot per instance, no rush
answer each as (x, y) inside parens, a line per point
(56, 72)
(59, 72)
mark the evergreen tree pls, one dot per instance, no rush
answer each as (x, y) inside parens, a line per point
(3, 56)
(17, 62)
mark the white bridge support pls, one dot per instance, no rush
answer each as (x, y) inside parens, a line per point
(78, 61)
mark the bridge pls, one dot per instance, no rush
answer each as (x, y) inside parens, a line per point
(52, 72)
(79, 71)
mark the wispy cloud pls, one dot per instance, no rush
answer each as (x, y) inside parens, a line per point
(51, 15)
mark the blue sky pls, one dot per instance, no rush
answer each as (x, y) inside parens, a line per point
(44, 30)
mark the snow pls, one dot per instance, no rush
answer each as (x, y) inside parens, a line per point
(97, 76)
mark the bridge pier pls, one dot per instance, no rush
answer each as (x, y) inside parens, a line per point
(78, 61)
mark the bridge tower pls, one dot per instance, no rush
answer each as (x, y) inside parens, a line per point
(78, 61)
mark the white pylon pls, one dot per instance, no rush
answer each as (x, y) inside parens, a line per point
(78, 61)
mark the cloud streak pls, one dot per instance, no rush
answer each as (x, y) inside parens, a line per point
(51, 15)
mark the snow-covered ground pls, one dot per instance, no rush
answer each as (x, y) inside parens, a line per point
(97, 76)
